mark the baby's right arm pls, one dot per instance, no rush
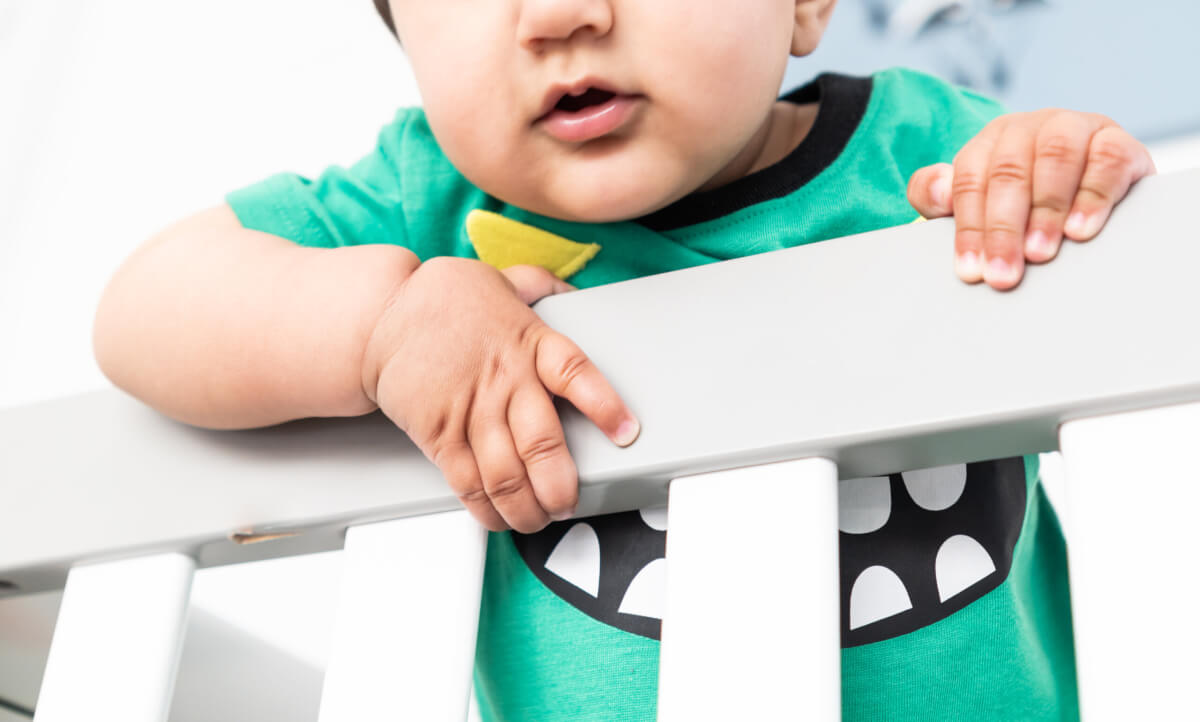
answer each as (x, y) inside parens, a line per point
(225, 327)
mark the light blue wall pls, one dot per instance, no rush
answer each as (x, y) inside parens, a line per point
(1134, 61)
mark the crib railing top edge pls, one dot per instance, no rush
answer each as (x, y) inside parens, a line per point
(885, 363)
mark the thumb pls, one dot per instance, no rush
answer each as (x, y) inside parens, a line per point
(929, 190)
(534, 282)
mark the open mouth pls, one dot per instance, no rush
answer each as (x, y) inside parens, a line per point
(587, 114)
(592, 96)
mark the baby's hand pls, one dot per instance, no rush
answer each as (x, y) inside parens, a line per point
(460, 362)
(1023, 183)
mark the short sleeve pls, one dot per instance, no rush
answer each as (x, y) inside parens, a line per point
(404, 192)
(928, 119)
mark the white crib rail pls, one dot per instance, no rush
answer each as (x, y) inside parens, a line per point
(1133, 501)
(786, 636)
(117, 642)
(865, 352)
(405, 651)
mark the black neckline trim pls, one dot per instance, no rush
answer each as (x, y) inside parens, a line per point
(843, 103)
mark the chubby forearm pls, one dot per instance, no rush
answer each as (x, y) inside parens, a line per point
(224, 327)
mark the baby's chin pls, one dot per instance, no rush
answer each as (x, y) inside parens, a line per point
(597, 213)
(608, 184)
(590, 203)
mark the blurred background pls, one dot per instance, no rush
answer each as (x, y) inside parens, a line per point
(122, 116)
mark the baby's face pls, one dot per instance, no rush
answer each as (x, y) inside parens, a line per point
(595, 110)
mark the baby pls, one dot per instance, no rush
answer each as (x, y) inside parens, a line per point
(596, 141)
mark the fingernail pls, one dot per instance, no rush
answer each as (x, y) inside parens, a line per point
(627, 432)
(939, 191)
(562, 515)
(1038, 246)
(966, 265)
(1000, 270)
(1074, 224)
(1081, 226)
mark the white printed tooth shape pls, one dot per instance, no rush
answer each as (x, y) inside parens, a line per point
(563, 558)
(877, 594)
(904, 565)
(576, 558)
(961, 561)
(647, 592)
(936, 488)
(655, 517)
(864, 505)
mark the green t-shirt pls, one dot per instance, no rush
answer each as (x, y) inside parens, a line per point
(953, 580)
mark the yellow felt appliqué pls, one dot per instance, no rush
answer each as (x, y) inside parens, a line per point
(501, 242)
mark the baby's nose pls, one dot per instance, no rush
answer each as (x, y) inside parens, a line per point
(542, 23)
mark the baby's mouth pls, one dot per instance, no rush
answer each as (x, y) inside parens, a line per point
(587, 115)
(574, 103)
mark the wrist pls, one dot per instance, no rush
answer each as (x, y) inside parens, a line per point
(397, 265)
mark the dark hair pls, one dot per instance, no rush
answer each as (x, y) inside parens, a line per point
(386, 13)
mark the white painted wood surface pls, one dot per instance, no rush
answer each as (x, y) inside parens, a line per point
(751, 630)
(404, 638)
(117, 642)
(912, 369)
(1133, 495)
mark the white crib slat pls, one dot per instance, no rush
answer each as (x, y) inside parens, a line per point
(117, 641)
(751, 628)
(404, 640)
(1133, 500)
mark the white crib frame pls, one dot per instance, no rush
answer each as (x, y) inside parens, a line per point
(759, 382)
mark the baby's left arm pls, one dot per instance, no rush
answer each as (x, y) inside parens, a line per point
(1024, 183)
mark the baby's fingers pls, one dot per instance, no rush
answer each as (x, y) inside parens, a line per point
(1009, 194)
(505, 481)
(566, 371)
(969, 187)
(457, 462)
(929, 190)
(532, 283)
(538, 437)
(1115, 161)
(1061, 155)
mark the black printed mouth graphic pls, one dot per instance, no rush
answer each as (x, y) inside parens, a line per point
(591, 96)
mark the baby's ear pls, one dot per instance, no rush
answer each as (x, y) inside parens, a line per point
(812, 17)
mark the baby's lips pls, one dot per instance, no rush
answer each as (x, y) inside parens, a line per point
(592, 122)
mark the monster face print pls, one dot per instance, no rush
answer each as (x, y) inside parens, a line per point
(916, 547)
